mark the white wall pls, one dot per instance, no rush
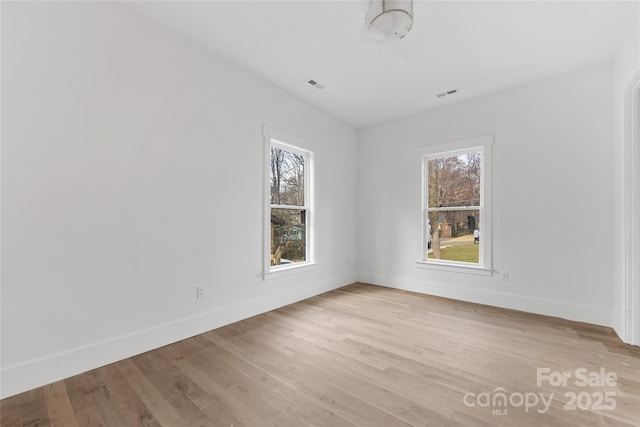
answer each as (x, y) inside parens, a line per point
(131, 172)
(552, 204)
(626, 66)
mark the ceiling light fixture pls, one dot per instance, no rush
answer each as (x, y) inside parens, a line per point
(389, 19)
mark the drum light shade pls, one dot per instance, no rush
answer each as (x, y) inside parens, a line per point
(389, 19)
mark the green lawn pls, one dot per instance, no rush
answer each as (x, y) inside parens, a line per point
(462, 253)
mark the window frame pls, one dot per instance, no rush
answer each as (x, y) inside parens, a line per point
(425, 153)
(276, 138)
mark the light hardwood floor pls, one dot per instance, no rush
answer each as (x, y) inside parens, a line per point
(358, 356)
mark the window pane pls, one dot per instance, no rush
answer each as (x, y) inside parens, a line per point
(287, 178)
(288, 236)
(454, 181)
(454, 235)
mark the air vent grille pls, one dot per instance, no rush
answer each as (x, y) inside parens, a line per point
(315, 84)
(447, 93)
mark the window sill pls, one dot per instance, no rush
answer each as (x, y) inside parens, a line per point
(288, 270)
(455, 268)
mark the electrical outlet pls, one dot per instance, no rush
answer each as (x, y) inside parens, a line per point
(200, 292)
(505, 277)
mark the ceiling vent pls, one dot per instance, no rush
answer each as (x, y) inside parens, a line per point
(450, 92)
(315, 84)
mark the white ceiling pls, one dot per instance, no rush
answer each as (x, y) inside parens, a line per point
(475, 47)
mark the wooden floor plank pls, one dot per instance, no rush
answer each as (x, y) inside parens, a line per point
(360, 355)
(286, 400)
(58, 405)
(152, 397)
(182, 394)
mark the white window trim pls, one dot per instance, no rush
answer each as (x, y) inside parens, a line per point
(485, 266)
(296, 145)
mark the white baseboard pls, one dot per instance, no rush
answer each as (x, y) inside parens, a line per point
(617, 324)
(570, 311)
(35, 373)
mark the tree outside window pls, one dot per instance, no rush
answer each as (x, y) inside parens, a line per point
(289, 204)
(453, 210)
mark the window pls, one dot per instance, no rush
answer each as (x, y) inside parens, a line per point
(288, 190)
(455, 218)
